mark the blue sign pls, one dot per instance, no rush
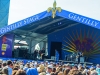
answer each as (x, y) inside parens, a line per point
(6, 45)
(23, 22)
(64, 14)
(79, 18)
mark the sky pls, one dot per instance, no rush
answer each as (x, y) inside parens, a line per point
(21, 9)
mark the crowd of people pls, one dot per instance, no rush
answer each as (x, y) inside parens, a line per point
(16, 67)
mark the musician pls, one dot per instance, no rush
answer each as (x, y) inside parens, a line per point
(79, 54)
(43, 53)
(73, 56)
(56, 56)
(35, 54)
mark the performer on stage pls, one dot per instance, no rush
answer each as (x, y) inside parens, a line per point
(43, 54)
(56, 56)
(79, 54)
(35, 54)
(73, 56)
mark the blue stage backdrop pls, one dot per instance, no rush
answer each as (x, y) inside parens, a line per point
(6, 45)
(81, 38)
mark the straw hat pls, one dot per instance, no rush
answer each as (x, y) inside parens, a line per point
(41, 68)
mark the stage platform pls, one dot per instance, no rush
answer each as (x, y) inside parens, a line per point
(64, 61)
(49, 60)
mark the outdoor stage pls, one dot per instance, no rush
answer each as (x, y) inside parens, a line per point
(62, 30)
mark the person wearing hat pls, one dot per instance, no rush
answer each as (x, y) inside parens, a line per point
(41, 68)
(49, 69)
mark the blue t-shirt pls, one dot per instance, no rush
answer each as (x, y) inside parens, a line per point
(9, 71)
(32, 71)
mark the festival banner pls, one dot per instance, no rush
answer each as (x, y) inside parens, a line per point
(6, 45)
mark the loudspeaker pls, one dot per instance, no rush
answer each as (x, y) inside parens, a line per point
(56, 46)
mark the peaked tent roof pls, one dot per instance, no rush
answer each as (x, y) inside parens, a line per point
(43, 23)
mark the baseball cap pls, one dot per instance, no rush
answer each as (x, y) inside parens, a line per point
(50, 66)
